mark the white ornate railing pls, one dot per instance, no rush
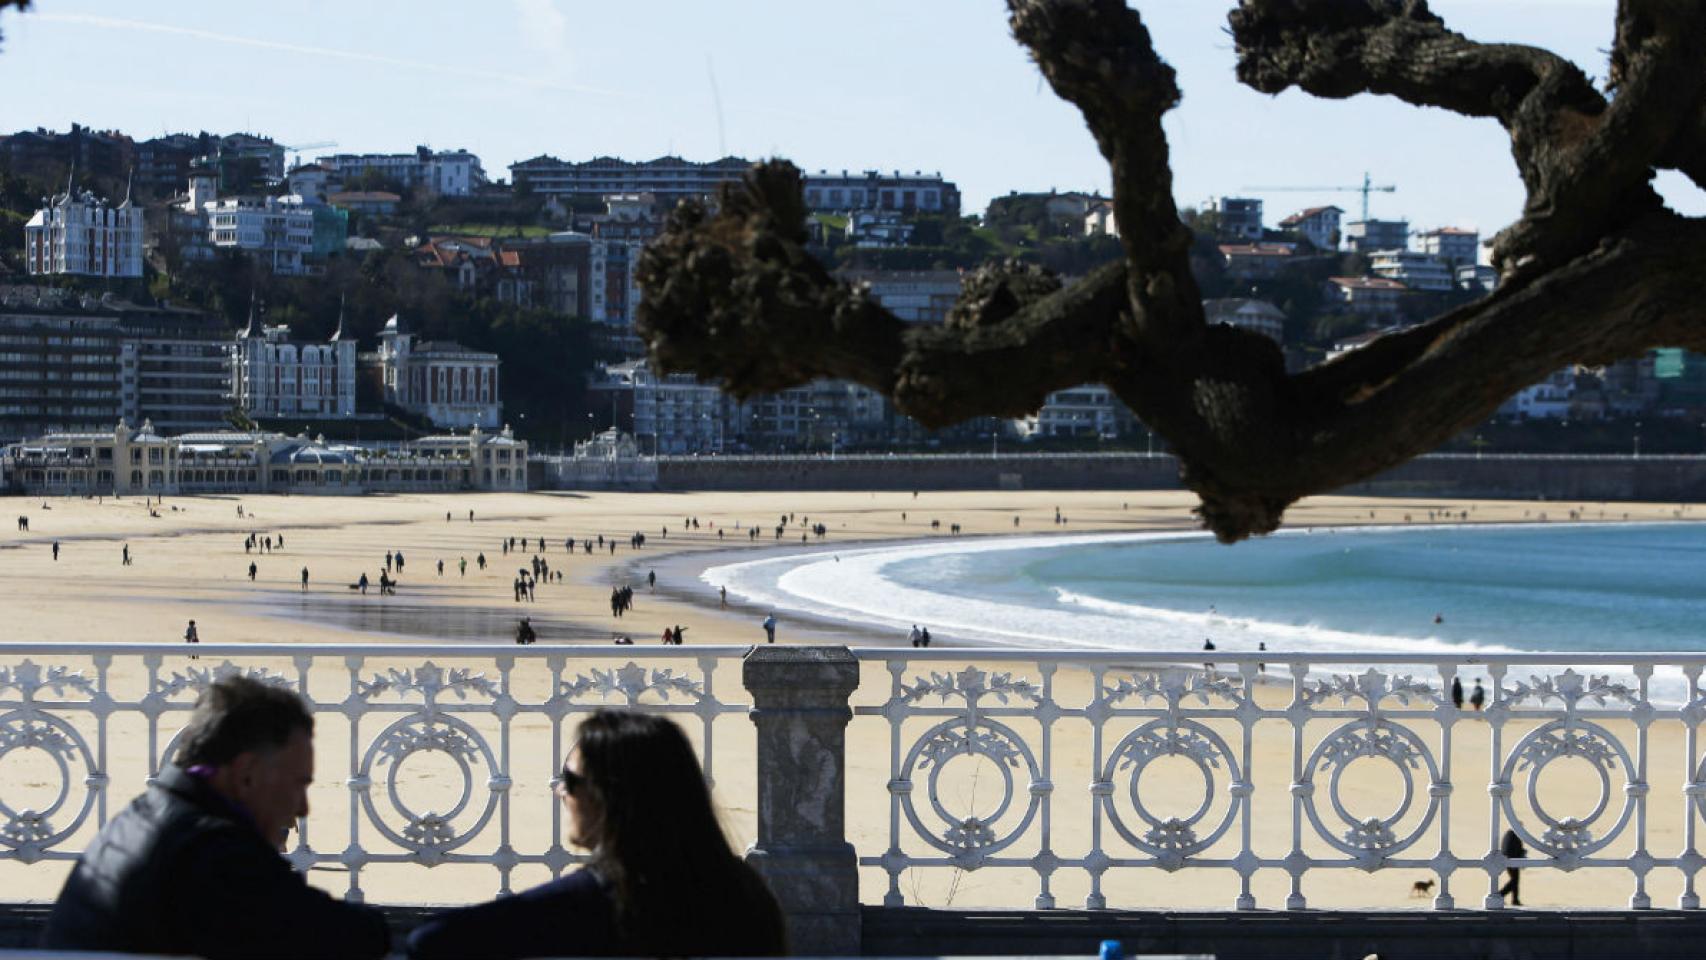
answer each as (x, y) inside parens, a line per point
(1007, 710)
(74, 706)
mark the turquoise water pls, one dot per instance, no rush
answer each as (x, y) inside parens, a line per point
(1555, 587)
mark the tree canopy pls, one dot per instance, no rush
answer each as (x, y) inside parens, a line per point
(1595, 270)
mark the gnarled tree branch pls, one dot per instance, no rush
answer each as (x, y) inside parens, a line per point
(1595, 270)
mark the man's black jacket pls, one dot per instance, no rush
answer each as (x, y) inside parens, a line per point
(182, 872)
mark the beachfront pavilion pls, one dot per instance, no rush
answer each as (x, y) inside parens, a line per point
(143, 463)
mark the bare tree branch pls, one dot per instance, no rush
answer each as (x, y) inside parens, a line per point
(1596, 270)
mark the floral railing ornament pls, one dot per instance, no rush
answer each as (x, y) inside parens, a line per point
(453, 706)
(1342, 711)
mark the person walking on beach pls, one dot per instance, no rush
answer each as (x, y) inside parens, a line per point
(388, 559)
(770, 629)
(481, 560)
(924, 637)
(441, 567)
(56, 551)
(362, 583)
(723, 594)
(252, 571)
(1478, 696)
(126, 555)
(304, 579)
(915, 636)
(1457, 692)
(1511, 846)
(191, 636)
(652, 580)
(462, 566)
(399, 561)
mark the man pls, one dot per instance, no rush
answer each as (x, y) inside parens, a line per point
(191, 636)
(192, 866)
(1512, 847)
(770, 629)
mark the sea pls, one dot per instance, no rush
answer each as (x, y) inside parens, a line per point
(1431, 590)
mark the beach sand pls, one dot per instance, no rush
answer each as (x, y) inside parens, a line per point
(189, 562)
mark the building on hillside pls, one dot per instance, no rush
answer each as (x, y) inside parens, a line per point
(1367, 236)
(668, 178)
(581, 275)
(378, 202)
(1552, 398)
(163, 164)
(919, 192)
(1373, 297)
(278, 232)
(80, 235)
(916, 296)
(1476, 278)
(449, 384)
(142, 461)
(878, 229)
(677, 413)
(1259, 316)
(243, 158)
(1454, 246)
(1088, 411)
(73, 363)
(1100, 222)
(102, 155)
(1418, 271)
(273, 376)
(1318, 225)
(626, 217)
(445, 173)
(1256, 261)
(313, 182)
(1240, 217)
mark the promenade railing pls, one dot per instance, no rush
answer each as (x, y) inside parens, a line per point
(1069, 768)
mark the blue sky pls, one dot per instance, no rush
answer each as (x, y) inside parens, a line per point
(888, 84)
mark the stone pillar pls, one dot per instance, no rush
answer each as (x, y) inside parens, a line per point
(799, 705)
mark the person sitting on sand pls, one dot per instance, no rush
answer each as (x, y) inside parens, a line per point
(662, 879)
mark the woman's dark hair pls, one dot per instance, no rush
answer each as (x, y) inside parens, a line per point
(679, 889)
(239, 714)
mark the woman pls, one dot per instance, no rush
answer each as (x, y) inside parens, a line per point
(662, 880)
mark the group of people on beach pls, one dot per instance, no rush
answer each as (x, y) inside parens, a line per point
(192, 867)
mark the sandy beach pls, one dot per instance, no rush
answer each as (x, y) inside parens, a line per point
(189, 561)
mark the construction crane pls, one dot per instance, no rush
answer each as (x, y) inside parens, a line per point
(300, 147)
(1367, 187)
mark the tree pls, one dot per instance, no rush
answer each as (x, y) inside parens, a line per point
(1596, 269)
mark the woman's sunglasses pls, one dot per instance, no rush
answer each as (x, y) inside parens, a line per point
(572, 781)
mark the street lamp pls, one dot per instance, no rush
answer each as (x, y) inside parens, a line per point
(1637, 440)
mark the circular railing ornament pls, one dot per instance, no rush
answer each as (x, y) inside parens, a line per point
(30, 831)
(1368, 838)
(429, 834)
(971, 837)
(1170, 838)
(1567, 838)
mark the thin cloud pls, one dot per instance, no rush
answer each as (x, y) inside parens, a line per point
(329, 53)
(544, 27)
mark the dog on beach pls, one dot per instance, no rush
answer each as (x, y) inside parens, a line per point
(1421, 888)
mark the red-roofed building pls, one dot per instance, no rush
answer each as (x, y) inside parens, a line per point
(1255, 261)
(1318, 225)
(1368, 296)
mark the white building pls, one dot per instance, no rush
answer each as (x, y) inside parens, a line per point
(917, 296)
(449, 384)
(1418, 271)
(273, 376)
(448, 173)
(1318, 225)
(79, 234)
(1100, 222)
(1455, 246)
(1550, 398)
(872, 190)
(1257, 315)
(1239, 216)
(676, 412)
(277, 231)
(1365, 236)
(1090, 410)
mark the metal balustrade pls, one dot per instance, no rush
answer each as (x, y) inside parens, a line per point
(385, 704)
(1005, 708)
(1259, 743)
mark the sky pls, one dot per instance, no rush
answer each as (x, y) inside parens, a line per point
(937, 86)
